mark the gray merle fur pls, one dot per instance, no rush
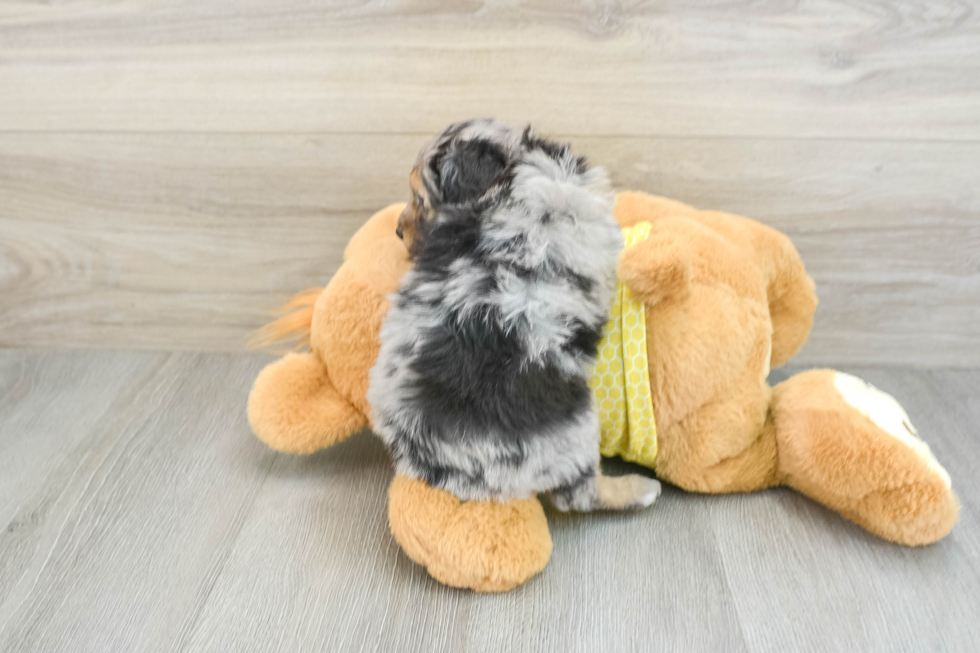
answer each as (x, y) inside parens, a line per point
(480, 387)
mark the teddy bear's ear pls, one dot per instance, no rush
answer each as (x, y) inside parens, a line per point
(294, 407)
(656, 269)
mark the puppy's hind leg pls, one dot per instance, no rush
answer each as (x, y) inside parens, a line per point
(593, 491)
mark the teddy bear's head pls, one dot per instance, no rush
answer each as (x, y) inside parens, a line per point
(349, 312)
(308, 401)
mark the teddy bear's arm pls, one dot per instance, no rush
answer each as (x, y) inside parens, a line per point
(294, 407)
(657, 268)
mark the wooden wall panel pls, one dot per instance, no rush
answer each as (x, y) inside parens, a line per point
(185, 241)
(170, 170)
(879, 68)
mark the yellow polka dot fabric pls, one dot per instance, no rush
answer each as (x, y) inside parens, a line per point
(620, 380)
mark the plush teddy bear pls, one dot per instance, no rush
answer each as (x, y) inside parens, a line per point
(725, 298)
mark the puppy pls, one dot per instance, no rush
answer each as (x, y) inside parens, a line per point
(480, 387)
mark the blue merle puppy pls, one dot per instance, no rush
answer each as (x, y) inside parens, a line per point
(480, 387)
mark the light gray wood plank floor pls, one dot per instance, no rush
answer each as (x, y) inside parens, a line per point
(138, 513)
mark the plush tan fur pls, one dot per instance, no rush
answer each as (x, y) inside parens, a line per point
(487, 546)
(840, 458)
(726, 298)
(294, 406)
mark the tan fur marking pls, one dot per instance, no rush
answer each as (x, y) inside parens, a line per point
(410, 215)
(629, 491)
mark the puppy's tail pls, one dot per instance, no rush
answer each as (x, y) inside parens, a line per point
(291, 329)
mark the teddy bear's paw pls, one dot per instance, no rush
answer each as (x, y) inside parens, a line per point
(882, 409)
(853, 448)
(487, 546)
(917, 507)
(293, 406)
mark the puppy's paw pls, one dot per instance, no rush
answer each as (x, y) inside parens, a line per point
(560, 502)
(645, 490)
(628, 492)
(631, 491)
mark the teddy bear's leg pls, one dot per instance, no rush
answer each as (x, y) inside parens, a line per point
(486, 546)
(293, 406)
(727, 445)
(853, 448)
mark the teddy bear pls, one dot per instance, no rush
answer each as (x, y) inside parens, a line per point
(724, 300)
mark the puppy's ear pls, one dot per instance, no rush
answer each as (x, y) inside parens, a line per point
(468, 169)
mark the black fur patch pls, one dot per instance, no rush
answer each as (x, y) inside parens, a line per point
(473, 375)
(475, 379)
(585, 340)
(466, 170)
(441, 243)
(556, 151)
(480, 398)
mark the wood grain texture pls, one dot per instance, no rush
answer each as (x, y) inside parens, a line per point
(139, 512)
(187, 241)
(169, 171)
(836, 68)
(164, 242)
(812, 563)
(163, 525)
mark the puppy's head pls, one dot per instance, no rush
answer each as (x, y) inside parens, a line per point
(465, 163)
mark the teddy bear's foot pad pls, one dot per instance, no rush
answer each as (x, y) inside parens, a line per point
(853, 448)
(486, 546)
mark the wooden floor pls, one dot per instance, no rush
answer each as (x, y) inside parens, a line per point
(138, 513)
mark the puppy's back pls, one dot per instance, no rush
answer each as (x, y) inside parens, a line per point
(481, 383)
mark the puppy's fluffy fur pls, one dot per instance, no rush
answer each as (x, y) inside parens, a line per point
(480, 386)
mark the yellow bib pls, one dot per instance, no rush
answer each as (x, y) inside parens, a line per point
(621, 380)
